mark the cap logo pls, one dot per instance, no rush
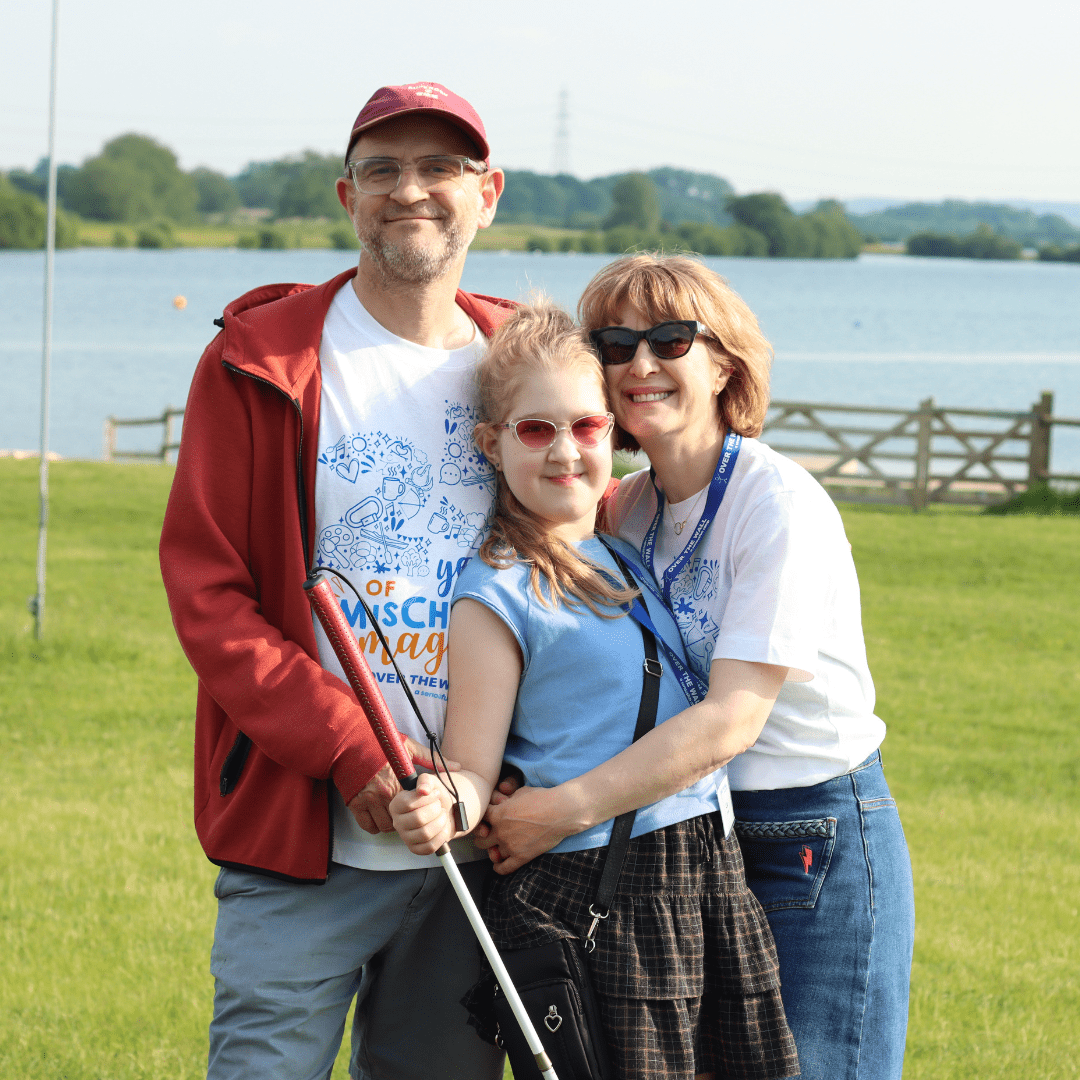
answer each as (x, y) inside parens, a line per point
(427, 90)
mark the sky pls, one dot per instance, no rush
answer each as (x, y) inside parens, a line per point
(925, 100)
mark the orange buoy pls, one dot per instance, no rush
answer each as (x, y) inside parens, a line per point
(179, 302)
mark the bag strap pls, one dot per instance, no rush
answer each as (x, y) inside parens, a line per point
(623, 825)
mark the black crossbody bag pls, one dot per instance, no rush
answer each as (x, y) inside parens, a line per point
(553, 979)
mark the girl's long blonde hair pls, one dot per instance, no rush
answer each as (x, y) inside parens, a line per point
(539, 338)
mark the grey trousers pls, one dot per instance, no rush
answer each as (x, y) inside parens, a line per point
(289, 959)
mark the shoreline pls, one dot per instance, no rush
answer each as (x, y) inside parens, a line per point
(23, 455)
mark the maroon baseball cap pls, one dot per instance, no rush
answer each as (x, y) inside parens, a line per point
(389, 101)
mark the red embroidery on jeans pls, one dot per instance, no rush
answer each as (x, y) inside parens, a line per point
(807, 859)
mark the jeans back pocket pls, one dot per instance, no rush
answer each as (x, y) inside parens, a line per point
(786, 861)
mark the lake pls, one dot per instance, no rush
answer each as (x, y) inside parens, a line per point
(877, 330)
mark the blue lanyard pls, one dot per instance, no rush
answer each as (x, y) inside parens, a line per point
(694, 688)
(693, 685)
(729, 454)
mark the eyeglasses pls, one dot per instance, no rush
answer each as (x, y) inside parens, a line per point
(536, 434)
(668, 340)
(438, 172)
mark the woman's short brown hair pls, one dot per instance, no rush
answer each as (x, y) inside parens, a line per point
(661, 287)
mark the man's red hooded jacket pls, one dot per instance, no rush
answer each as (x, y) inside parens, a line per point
(271, 726)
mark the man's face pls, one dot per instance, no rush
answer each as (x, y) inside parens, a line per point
(415, 236)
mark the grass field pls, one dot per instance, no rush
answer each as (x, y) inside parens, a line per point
(304, 233)
(299, 233)
(106, 910)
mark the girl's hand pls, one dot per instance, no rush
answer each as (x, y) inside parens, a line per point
(371, 805)
(424, 818)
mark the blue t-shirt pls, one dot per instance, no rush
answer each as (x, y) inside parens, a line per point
(580, 688)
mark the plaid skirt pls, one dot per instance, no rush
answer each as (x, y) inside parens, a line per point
(685, 966)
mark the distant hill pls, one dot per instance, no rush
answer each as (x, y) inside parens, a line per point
(536, 199)
(863, 205)
(1069, 211)
(954, 217)
(872, 204)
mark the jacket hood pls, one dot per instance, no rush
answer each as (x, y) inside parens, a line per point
(268, 331)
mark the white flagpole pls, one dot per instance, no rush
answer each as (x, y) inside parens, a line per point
(46, 350)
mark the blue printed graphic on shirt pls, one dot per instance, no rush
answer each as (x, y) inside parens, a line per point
(396, 518)
(692, 596)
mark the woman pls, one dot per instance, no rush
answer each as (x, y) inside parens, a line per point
(750, 556)
(546, 662)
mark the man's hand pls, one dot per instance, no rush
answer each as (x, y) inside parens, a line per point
(370, 806)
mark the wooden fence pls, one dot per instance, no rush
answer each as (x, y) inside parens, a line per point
(169, 442)
(858, 453)
(933, 454)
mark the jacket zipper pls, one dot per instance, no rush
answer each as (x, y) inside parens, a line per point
(300, 487)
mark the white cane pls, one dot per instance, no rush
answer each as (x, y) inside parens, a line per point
(324, 604)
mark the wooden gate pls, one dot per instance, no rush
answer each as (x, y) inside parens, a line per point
(913, 458)
(858, 453)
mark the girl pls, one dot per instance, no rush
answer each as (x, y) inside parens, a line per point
(544, 663)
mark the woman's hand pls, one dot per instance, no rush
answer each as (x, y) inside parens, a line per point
(481, 835)
(663, 762)
(424, 818)
(527, 824)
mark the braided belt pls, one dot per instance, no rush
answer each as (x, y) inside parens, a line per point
(783, 830)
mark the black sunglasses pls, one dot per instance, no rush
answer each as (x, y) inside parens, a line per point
(668, 340)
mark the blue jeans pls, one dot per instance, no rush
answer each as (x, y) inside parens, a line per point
(830, 866)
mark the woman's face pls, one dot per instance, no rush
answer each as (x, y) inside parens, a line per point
(656, 400)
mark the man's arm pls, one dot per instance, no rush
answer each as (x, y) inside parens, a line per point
(234, 582)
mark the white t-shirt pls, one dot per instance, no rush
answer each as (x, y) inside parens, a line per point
(771, 582)
(401, 499)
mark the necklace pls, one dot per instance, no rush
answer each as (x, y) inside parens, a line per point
(678, 526)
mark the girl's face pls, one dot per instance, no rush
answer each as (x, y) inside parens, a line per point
(666, 400)
(563, 483)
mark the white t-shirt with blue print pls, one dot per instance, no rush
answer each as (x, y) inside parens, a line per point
(401, 498)
(580, 689)
(772, 582)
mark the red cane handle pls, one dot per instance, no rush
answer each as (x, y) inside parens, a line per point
(328, 611)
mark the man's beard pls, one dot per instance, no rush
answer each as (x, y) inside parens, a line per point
(412, 262)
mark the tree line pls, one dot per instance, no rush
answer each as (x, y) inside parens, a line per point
(956, 218)
(137, 182)
(983, 243)
(565, 201)
(758, 225)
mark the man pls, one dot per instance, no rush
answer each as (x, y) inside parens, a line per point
(331, 425)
